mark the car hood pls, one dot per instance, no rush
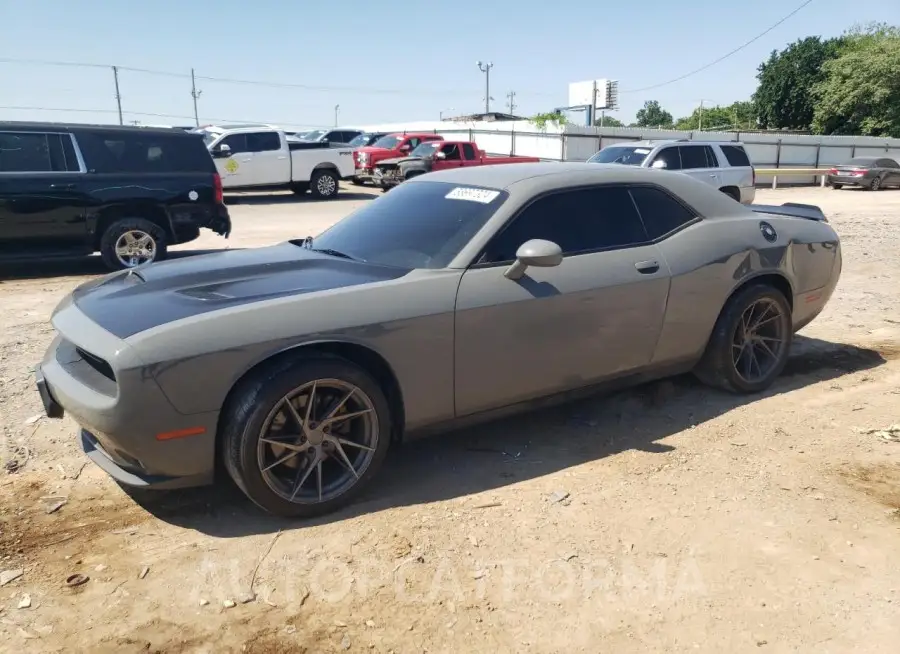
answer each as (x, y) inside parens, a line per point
(128, 302)
(398, 160)
(371, 149)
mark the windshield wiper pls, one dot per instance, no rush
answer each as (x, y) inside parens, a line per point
(308, 241)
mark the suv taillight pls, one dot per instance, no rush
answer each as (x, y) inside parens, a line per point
(218, 191)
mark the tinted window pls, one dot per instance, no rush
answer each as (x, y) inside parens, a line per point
(862, 162)
(660, 212)
(237, 143)
(263, 142)
(887, 163)
(468, 151)
(388, 142)
(414, 226)
(712, 161)
(144, 152)
(735, 155)
(670, 156)
(31, 153)
(451, 152)
(413, 143)
(693, 156)
(578, 221)
(620, 154)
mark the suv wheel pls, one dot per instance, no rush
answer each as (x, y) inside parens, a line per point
(131, 242)
(324, 184)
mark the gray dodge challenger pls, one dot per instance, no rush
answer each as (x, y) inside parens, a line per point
(460, 296)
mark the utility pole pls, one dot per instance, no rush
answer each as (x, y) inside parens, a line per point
(118, 96)
(512, 101)
(700, 121)
(485, 67)
(337, 108)
(196, 95)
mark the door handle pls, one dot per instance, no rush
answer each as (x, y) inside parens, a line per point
(713, 175)
(66, 187)
(647, 267)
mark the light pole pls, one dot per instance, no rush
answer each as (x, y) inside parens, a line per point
(485, 67)
(337, 108)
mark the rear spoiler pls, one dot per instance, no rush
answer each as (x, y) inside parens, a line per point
(793, 209)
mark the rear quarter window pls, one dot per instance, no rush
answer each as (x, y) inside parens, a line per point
(736, 155)
(150, 152)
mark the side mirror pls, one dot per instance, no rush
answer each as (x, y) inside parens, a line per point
(659, 164)
(536, 252)
(440, 155)
(405, 147)
(221, 151)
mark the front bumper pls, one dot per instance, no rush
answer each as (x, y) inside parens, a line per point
(125, 419)
(364, 174)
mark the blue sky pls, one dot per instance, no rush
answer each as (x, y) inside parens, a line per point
(389, 61)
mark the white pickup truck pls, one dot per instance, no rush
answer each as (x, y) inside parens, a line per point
(261, 158)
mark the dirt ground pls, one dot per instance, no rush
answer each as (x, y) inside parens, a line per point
(664, 519)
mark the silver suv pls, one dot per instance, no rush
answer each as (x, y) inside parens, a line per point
(723, 164)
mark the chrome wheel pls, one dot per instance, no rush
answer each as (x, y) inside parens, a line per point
(759, 340)
(318, 441)
(876, 183)
(135, 247)
(326, 185)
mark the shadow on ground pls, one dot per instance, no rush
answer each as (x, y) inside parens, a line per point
(512, 450)
(76, 266)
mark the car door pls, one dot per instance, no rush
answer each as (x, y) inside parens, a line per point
(669, 158)
(470, 156)
(452, 157)
(596, 315)
(269, 160)
(697, 162)
(892, 169)
(236, 168)
(43, 200)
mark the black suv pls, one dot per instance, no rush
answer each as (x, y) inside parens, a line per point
(127, 192)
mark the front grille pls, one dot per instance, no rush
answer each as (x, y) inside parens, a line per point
(97, 363)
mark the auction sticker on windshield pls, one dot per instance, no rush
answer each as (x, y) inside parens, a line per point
(641, 151)
(482, 195)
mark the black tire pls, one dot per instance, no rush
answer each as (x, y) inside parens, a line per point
(324, 184)
(300, 188)
(118, 229)
(732, 193)
(356, 181)
(837, 187)
(875, 185)
(257, 398)
(717, 367)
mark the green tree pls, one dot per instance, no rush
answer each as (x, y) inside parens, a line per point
(735, 117)
(542, 120)
(784, 96)
(653, 115)
(609, 121)
(860, 89)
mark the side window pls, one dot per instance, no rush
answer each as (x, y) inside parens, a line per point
(670, 156)
(349, 136)
(451, 152)
(887, 163)
(69, 153)
(692, 156)
(263, 142)
(736, 155)
(413, 143)
(141, 152)
(712, 159)
(468, 151)
(25, 152)
(237, 143)
(578, 221)
(660, 212)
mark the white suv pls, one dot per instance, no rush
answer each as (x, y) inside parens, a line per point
(723, 164)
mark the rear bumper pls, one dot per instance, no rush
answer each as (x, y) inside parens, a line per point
(847, 180)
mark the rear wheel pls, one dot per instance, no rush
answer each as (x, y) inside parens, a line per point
(324, 184)
(305, 438)
(837, 187)
(356, 181)
(750, 343)
(131, 242)
(875, 185)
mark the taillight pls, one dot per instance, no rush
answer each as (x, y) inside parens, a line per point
(218, 191)
(833, 171)
(859, 171)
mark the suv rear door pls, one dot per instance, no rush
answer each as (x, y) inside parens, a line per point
(43, 205)
(700, 162)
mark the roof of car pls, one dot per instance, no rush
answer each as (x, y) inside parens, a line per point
(653, 143)
(25, 126)
(530, 179)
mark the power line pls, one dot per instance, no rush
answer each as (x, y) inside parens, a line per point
(156, 115)
(723, 57)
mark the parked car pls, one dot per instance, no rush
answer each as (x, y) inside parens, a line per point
(460, 295)
(125, 192)
(263, 159)
(338, 137)
(872, 173)
(387, 147)
(437, 155)
(722, 164)
(366, 138)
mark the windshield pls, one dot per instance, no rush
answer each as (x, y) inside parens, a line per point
(360, 141)
(388, 142)
(208, 137)
(426, 149)
(629, 156)
(314, 135)
(862, 162)
(420, 225)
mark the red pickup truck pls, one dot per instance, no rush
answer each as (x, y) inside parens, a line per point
(434, 156)
(387, 147)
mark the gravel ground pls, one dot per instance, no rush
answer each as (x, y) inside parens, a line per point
(668, 518)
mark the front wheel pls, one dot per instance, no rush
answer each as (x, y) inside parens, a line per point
(305, 438)
(324, 184)
(750, 343)
(131, 242)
